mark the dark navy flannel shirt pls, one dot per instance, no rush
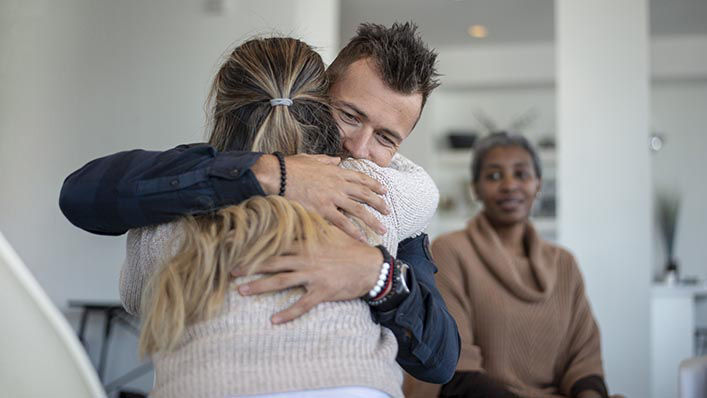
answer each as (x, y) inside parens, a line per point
(133, 189)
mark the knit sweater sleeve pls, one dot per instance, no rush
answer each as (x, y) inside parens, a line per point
(412, 197)
(450, 278)
(583, 339)
(146, 249)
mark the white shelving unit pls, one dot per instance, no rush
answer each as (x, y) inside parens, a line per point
(452, 108)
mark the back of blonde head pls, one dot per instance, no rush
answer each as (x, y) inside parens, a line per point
(263, 69)
(191, 286)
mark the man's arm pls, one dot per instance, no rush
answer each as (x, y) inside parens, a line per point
(137, 188)
(132, 189)
(428, 338)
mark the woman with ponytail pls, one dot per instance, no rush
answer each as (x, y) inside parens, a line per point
(207, 340)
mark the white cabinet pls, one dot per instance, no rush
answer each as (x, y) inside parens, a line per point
(672, 334)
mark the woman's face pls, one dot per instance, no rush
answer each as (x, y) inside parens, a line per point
(507, 185)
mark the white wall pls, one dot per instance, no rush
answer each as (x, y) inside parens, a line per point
(84, 78)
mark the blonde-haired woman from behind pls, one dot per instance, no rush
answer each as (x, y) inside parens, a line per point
(206, 340)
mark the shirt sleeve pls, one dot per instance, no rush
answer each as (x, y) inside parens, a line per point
(428, 339)
(133, 189)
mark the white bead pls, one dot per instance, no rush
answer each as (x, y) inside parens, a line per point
(379, 283)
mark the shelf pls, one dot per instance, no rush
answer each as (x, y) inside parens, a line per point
(457, 157)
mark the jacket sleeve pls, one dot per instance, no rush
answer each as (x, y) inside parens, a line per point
(138, 188)
(583, 368)
(427, 335)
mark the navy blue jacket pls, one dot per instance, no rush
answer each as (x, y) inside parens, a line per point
(137, 188)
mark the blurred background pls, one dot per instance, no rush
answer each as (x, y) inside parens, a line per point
(614, 93)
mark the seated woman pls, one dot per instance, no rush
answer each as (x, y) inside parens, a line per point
(206, 340)
(526, 326)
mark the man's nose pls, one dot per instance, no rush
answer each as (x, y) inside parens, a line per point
(357, 145)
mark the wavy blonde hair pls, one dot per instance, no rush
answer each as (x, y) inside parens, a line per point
(191, 286)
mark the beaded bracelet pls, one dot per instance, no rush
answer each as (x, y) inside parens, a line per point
(283, 172)
(383, 281)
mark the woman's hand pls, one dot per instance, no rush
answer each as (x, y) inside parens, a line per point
(320, 185)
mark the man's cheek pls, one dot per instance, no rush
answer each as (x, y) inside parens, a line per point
(342, 129)
(382, 157)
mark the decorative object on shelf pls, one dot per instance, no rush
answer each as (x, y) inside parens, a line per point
(458, 139)
(668, 209)
(518, 123)
(546, 142)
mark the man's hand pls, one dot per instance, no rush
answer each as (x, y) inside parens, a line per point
(320, 185)
(341, 269)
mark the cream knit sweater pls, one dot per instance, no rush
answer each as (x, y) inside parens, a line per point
(239, 351)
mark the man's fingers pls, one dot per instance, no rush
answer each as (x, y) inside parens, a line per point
(274, 283)
(274, 264)
(363, 179)
(356, 209)
(301, 307)
(342, 222)
(364, 194)
(327, 159)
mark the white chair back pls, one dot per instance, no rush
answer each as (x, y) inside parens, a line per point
(693, 378)
(40, 355)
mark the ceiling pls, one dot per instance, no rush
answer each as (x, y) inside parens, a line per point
(445, 22)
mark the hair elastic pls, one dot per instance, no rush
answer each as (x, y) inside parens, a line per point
(280, 101)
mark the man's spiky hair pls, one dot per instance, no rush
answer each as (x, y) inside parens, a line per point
(404, 62)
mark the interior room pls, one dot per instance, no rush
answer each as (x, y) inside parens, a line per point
(612, 94)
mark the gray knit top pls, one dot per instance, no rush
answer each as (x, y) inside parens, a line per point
(240, 352)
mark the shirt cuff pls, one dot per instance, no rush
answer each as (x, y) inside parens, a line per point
(235, 181)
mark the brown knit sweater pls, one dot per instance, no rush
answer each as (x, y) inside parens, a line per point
(525, 322)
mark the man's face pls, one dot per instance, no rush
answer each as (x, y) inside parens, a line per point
(373, 119)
